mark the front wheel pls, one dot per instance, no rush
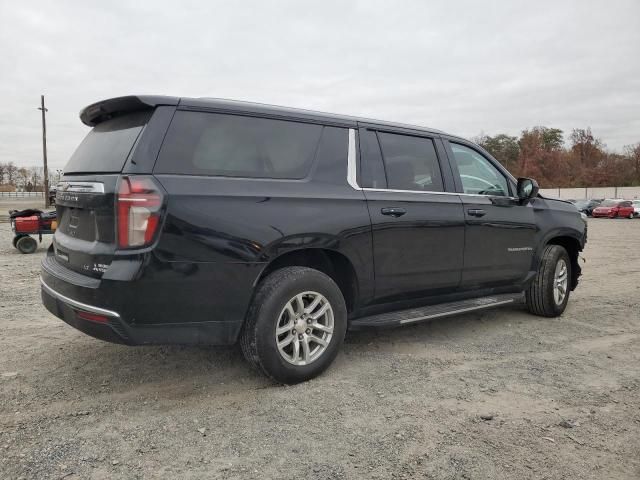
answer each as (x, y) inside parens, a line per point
(548, 294)
(295, 325)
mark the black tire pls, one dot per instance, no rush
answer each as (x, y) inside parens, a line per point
(15, 240)
(258, 341)
(539, 296)
(26, 244)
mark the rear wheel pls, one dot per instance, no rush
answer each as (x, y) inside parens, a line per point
(548, 294)
(630, 215)
(26, 244)
(295, 325)
(15, 240)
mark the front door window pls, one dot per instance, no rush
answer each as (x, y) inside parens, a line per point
(478, 175)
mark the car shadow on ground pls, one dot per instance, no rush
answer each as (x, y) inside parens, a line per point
(93, 366)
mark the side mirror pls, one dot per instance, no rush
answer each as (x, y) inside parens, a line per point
(527, 189)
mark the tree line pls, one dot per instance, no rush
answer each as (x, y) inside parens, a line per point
(541, 153)
(28, 179)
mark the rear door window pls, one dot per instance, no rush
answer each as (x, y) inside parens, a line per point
(200, 143)
(107, 146)
(373, 175)
(410, 162)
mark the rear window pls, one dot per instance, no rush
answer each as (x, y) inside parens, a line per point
(107, 146)
(200, 143)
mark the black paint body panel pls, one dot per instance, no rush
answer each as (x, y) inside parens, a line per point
(218, 235)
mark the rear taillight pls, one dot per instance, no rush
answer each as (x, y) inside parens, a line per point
(138, 208)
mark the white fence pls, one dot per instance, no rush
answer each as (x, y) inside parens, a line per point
(628, 193)
(21, 194)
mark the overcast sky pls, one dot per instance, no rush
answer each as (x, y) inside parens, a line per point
(463, 67)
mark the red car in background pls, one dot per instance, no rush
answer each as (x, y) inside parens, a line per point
(614, 208)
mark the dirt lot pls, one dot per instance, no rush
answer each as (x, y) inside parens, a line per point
(404, 403)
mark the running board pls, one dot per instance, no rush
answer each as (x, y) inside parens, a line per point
(430, 312)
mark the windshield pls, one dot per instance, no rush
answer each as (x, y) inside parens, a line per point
(609, 203)
(581, 203)
(107, 146)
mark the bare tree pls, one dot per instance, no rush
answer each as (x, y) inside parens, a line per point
(11, 171)
(36, 178)
(632, 152)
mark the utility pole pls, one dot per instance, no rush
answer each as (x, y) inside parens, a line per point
(44, 151)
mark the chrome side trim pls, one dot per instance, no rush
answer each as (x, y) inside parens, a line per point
(422, 192)
(81, 187)
(77, 304)
(352, 177)
(460, 310)
(434, 193)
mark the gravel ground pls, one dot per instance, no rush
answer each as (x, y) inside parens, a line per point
(498, 394)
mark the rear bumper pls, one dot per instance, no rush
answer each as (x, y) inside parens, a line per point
(69, 309)
(123, 311)
(113, 328)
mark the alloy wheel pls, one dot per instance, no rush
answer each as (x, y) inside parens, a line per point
(560, 282)
(304, 328)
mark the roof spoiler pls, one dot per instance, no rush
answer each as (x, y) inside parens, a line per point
(104, 110)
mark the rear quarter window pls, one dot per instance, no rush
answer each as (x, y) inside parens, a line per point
(200, 143)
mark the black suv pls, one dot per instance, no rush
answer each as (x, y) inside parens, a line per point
(202, 221)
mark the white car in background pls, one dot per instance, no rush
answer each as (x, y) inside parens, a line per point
(636, 208)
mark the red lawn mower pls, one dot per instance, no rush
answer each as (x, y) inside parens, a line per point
(25, 223)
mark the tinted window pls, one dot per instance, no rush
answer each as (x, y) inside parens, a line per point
(107, 146)
(331, 157)
(411, 163)
(236, 146)
(373, 175)
(478, 175)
